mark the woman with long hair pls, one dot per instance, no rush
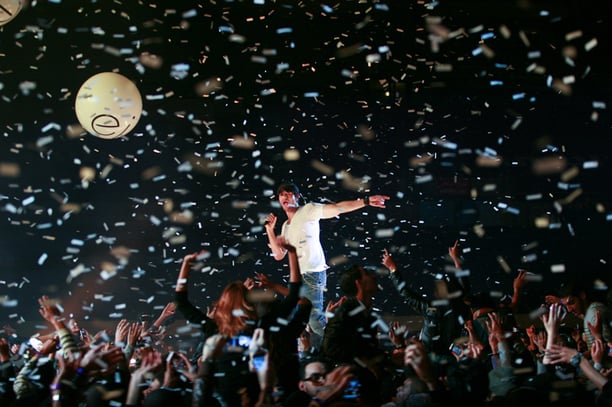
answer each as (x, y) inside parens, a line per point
(224, 372)
(232, 312)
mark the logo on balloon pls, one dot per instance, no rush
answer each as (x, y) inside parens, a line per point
(108, 105)
(9, 10)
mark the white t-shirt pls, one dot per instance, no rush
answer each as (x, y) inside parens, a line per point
(303, 233)
(590, 315)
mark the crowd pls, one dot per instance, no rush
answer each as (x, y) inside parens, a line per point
(253, 349)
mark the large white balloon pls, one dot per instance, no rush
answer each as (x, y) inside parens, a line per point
(9, 10)
(108, 105)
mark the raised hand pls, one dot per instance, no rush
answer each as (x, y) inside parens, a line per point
(188, 370)
(48, 309)
(559, 354)
(264, 280)
(150, 362)
(335, 383)
(416, 357)
(396, 333)
(213, 347)
(552, 320)
(270, 221)
(134, 333)
(474, 349)
(101, 359)
(169, 310)
(520, 281)
(67, 367)
(598, 351)
(251, 283)
(188, 258)
(121, 331)
(332, 306)
(455, 253)
(185, 271)
(210, 311)
(494, 325)
(540, 341)
(473, 338)
(595, 328)
(378, 201)
(388, 261)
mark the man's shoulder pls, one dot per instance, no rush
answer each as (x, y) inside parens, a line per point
(597, 306)
(311, 206)
(351, 306)
(311, 209)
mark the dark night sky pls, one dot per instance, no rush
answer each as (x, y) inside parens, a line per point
(448, 107)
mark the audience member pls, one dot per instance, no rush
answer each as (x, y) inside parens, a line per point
(312, 374)
(589, 306)
(444, 315)
(351, 334)
(283, 320)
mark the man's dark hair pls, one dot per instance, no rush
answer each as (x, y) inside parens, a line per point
(288, 187)
(572, 286)
(347, 280)
(305, 362)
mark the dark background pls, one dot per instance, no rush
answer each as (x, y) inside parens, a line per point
(404, 105)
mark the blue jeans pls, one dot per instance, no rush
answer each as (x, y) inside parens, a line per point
(314, 290)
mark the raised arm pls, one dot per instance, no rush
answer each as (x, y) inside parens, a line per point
(51, 312)
(497, 339)
(562, 354)
(413, 300)
(168, 311)
(189, 311)
(331, 210)
(455, 254)
(295, 274)
(518, 285)
(277, 250)
(151, 362)
(183, 277)
(552, 320)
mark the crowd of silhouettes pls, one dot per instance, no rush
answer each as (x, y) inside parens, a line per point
(251, 347)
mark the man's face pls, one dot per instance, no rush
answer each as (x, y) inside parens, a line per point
(573, 304)
(314, 377)
(288, 199)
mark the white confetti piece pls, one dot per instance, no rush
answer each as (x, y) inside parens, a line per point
(42, 258)
(557, 268)
(590, 45)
